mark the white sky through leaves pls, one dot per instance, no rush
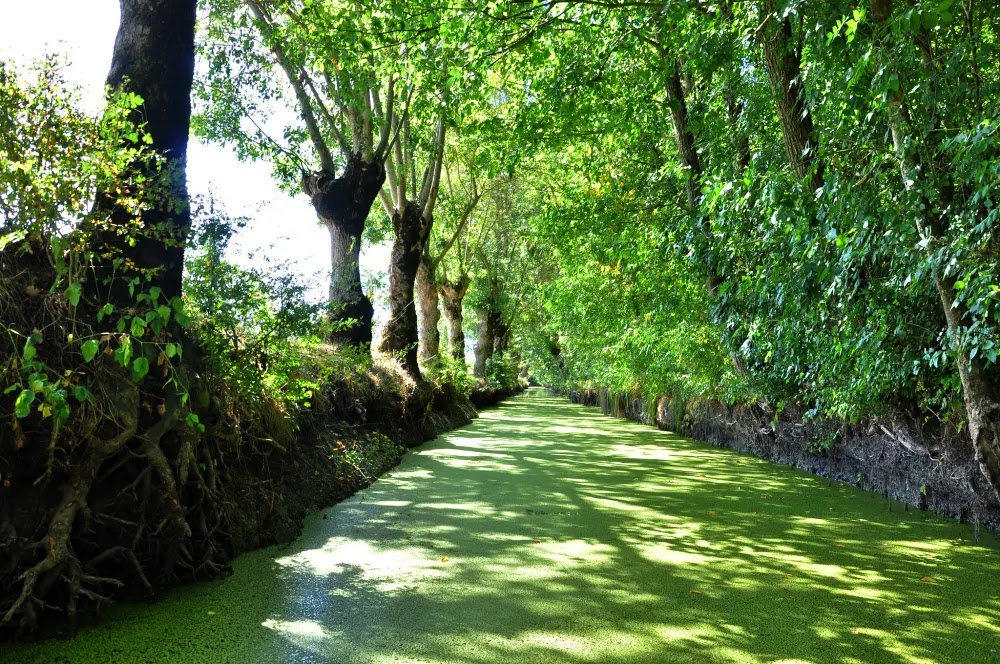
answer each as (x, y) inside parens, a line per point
(281, 228)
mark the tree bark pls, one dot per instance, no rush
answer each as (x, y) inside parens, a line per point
(153, 57)
(342, 204)
(400, 336)
(784, 70)
(683, 137)
(428, 314)
(486, 338)
(687, 150)
(980, 381)
(452, 296)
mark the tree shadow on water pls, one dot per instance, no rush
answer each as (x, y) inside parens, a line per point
(545, 532)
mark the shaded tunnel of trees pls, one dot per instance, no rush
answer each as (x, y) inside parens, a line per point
(785, 206)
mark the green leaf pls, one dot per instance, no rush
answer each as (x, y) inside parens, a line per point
(192, 421)
(89, 349)
(124, 354)
(58, 245)
(138, 326)
(29, 351)
(81, 393)
(73, 293)
(22, 407)
(140, 368)
(106, 310)
(171, 350)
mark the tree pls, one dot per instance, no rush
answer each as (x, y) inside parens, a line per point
(931, 180)
(412, 214)
(153, 58)
(351, 114)
(134, 235)
(461, 196)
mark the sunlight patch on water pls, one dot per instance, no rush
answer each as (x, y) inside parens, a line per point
(383, 566)
(301, 629)
(660, 553)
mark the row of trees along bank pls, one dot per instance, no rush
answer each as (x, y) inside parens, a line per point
(790, 204)
(153, 389)
(785, 204)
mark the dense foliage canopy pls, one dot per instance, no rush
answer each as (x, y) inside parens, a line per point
(773, 202)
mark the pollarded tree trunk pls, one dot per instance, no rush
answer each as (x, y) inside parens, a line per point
(154, 58)
(980, 381)
(400, 334)
(784, 70)
(342, 204)
(486, 338)
(452, 295)
(429, 314)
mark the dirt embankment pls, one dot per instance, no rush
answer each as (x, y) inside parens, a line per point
(349, 441)
(928, 468)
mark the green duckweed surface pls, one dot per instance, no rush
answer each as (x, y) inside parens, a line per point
(545, 532)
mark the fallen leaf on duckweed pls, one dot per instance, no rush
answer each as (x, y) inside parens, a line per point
(444, 559)
(841, 546)
(697, 592)
(855, 631)
(537, 541)
(211, 613)
(711, 513)
(409, 537)
(789, 575)
(928, 579)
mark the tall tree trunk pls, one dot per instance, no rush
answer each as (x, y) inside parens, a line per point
(342, 204)
(784, 70)
(452, 295)
(428, 314)
(410, 231)
(735, 108)
(154, 58)
(980, 381)
(684, 138)
(485, 341)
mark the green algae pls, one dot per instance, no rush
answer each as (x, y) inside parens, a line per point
(545, 532)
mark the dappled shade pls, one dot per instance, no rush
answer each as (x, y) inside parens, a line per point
(546, 532)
